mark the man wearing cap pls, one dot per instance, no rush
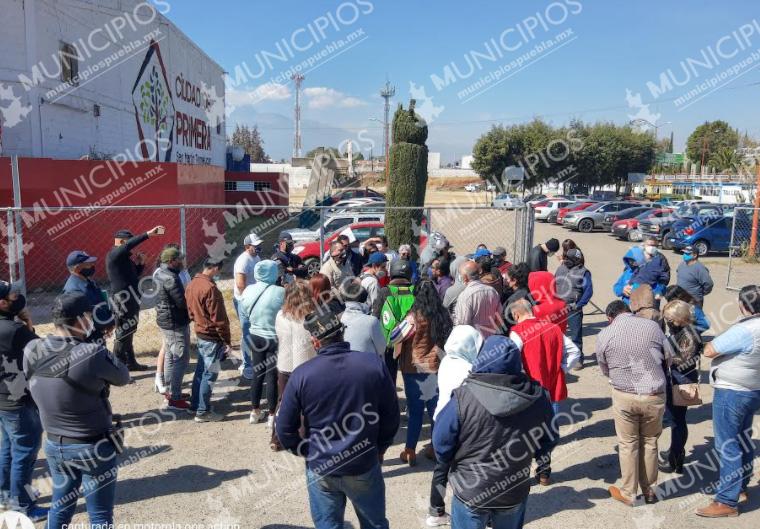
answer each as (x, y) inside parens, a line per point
(337, 268)
(20, 425)
(243, 273)
(500, 261)
(538, 256)
(81, 269)
(291, 265)
(173, 320)
(693, 276)
(124, 276)
(69, 380)
(370, 278)
(348, 403)
(205, 305)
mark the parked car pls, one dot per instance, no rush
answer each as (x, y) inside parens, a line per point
(542, 212)
(348, 194)
(505, 200)
(532, 197)
(311, 254)
(714, 234)
(629, 213)
(471, 188)
(335, 222)
(364, 204)
(591, 218)
(662, 228)
(538, 202)
(628, 229)
(575, 206)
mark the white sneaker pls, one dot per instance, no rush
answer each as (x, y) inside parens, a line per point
(437, 521)
(257, 416)
(159, 384)
(270, 422)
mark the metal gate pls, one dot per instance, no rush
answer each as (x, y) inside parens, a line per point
(744, 249)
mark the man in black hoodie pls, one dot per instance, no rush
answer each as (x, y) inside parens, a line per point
(538, 255)
(489, 432)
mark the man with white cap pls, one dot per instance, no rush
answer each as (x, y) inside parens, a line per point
(243, 273)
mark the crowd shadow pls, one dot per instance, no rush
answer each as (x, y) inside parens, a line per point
(184, 479)
(601, 468)
(562, 498)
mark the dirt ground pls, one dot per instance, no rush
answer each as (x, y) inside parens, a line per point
(181, 474)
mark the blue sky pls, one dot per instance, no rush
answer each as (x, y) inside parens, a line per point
(578, 59)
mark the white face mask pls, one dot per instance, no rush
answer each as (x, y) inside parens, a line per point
(650, 250)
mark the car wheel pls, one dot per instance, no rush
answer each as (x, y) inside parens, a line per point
(312, 266)
(702, 247)
(586, 225)
(666, 244)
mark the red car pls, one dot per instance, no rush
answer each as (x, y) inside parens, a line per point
(312, 256)
(623, 229)
(576, 206)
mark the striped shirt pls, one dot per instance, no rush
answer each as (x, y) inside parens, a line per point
(633, 353)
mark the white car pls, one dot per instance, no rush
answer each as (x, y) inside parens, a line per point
(471, 188)
(334, 223)
(505, 200)
(543, 212)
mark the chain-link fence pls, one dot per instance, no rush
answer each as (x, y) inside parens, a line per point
(744, 248)
(36, 241)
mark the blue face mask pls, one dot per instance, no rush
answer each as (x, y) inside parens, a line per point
(687, 257)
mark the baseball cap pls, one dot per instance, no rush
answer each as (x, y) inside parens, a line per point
(499, 251)
(252, 240)
(123, 234)
(70, 305)
(689, 250)
(7, 289)
(377, 258)
(322, 324)
(439, 241)
(552, 245)
(285, 236)
(212, 262)
(482, 252)
(78, 257)
(170, 254)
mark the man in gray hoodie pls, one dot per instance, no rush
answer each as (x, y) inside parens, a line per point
(362, 330)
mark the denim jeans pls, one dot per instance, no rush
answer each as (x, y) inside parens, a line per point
(177, 345)
(206, 373)
(732, 422)
(575, 329)
(679, 429)
(91, 466)
(327, 499)
(264, 353)
(421, 391)
(544, 453)
(462, 517)
(245, 336)
(438, 489)
(21, 434)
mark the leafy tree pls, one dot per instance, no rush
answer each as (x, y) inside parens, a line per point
(727, 160)
(710, 138)
(332, 151)
(250, 140)
(408, 177)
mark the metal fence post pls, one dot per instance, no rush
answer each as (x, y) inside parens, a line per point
(10, 231)
(731, 249)
(182, 230)
(429, 220)
(19, 236)
(321, 234)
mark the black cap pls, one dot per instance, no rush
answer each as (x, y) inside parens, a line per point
(552, 245)
(7, 289)
(123, 234)
(322, 324)
(78, 257)
(285, 236)
(401, 268)
(70, 305)
(213, 262)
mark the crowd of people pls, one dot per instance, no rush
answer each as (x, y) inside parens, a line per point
(484, 347)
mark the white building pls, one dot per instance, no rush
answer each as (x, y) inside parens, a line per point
(466, 162)
(106, 78)
(434, 161)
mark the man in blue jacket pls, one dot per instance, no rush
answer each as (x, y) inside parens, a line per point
(489, 432)
(350, 413)
(655, 271)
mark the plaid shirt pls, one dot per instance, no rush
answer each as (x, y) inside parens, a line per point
(633, 353)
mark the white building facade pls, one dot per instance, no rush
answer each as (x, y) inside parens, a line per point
(106, 79)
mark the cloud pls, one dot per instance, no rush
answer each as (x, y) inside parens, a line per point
(323, 97)
(264, 92)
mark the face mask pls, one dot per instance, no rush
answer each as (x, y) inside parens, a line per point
(217, 278)
(289, 247)
(650, 250)
(687, 257)
(380, 274)
(17, 305)
(87, 272)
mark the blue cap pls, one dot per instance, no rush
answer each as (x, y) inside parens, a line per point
(482, 252)
(377, 258)
(6, 289)
(78, 257)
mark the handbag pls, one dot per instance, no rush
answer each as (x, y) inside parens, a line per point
(688, 394)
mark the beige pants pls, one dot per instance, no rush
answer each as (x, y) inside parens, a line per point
(638, 424)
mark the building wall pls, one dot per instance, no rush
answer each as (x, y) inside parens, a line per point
(276, 195)
(101, 114)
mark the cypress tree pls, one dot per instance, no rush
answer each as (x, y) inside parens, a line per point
(408, 177)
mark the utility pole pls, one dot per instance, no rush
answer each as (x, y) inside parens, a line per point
(297, 78)
(755, 217)
(387, 92)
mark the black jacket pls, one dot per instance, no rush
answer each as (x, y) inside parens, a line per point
(14, 336)
(171, 307)
(123, 273)
(537, 259)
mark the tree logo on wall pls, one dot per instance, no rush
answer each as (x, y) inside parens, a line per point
(154, 107)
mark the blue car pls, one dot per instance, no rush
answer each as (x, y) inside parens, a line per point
(710, 233)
